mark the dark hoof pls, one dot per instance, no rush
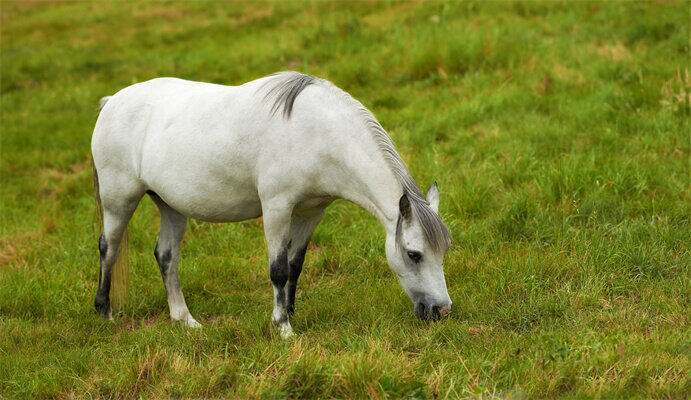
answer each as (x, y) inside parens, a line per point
(103, 308)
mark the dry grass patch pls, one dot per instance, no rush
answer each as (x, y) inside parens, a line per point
(18, 249)
(676, 92)
(615, 52)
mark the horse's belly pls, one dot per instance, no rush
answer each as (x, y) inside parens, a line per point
(233, 205)
(204, 188)
(231, 210)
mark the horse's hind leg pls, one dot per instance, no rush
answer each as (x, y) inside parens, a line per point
(116, 216)
(173, 226)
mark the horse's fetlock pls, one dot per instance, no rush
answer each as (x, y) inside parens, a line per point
(279, 319)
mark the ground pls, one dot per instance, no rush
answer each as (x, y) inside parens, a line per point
(558, 134)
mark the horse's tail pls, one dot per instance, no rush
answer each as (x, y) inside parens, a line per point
(103, 102)
(121, 269)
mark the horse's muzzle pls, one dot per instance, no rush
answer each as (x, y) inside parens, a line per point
(431, 312)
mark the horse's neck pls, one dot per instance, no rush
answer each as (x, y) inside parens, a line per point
(374, 187)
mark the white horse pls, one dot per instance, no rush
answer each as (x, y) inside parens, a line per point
(282, 147)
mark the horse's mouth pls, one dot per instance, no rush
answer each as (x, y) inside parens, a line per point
(429, 312)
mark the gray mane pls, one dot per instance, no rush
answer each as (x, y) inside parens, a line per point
(286, 88)
(434, 230)
(288, 85)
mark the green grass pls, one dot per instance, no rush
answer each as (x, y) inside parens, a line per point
(558, 133)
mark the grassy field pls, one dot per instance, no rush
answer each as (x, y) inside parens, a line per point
(558, 133)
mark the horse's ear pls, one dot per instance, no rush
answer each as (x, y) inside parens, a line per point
(404, 207)
(433, 197)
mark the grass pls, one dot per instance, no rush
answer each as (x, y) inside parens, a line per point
(558, 133)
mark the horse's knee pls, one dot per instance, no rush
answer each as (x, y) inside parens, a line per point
(280, 270)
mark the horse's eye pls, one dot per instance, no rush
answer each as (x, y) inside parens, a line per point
(415, 256)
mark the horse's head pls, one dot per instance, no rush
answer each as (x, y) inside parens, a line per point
(416, 253)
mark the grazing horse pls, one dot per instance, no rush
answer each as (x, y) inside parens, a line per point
(282, 147)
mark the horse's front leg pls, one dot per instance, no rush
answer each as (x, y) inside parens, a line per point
(277, 231)
(302, 226)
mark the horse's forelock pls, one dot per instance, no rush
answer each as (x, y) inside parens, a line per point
(435, 232)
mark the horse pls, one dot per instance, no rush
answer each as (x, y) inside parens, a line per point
(282, 147)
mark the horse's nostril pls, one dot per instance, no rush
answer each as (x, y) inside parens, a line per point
(431, 312)
(420, 311)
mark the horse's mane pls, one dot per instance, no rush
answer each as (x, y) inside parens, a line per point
(284, 89)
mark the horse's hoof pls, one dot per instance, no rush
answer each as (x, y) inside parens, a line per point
(103, 308)
(285, 331)
(107, 315)
(192, 323)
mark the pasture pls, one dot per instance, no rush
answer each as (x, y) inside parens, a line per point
(558, 134)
